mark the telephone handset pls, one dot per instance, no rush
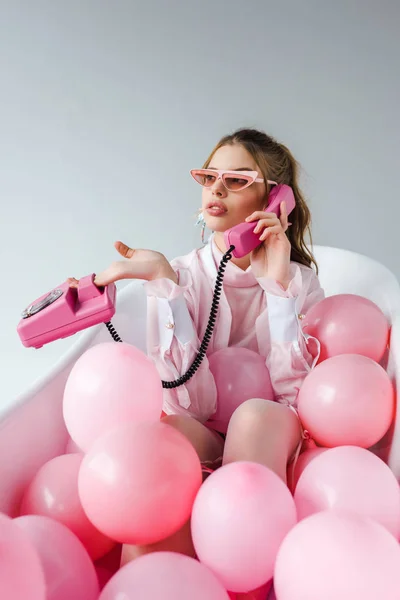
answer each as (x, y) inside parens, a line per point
(242, 236)
(65, 310)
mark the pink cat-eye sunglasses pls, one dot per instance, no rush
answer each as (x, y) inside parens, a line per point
(234, 181)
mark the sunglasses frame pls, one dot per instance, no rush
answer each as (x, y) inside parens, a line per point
(220, 176)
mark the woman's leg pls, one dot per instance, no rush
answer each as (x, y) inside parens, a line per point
(208, 444)
(209, 447)
(264, 432)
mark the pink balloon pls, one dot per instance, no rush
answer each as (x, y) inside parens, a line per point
(109, 385)
(296, 469)
(347, 400)
(103, 576)
(21, 573)
(239, 374)
(138, 483)
(261, 593)
(348, 324)
(72, 448)
(108, 565)
(166, 575)
(53, 492)
(239, 519)
(338, 555)
(354, 479)
(68, 570)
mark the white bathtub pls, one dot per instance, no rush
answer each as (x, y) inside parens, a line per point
(31, 423)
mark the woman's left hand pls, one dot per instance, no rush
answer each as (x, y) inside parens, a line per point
(272, 258)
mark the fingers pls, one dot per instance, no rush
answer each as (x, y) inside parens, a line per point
(124, 250)
(116, 270)
(260, 214)
(113, 273)
(284, 216)
(269, 222)
(276, 229)
(73, 283)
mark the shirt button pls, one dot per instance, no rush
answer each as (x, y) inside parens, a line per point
(301, 316)
(169, 325)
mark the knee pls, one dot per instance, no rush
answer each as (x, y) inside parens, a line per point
(254, 411)
(178, 421)
(262, 424)
(186, 425)
(258, 413)
(207, 443)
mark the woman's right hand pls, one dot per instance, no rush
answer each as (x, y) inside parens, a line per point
(139, 264)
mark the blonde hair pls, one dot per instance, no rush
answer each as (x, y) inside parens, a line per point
(276, 162)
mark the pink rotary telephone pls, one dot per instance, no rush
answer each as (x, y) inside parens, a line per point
(65, 311)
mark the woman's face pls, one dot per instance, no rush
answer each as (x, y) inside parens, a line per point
(223, 209)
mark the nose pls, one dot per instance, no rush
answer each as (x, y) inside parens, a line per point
(218, 188)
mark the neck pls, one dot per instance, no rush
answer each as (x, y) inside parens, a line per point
(242, 263)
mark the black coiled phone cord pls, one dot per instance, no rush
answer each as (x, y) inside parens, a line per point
(209, 329)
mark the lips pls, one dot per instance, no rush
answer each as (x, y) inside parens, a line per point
(216, 208)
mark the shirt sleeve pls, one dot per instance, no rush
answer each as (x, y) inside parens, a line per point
(173, 344)
(292, 353)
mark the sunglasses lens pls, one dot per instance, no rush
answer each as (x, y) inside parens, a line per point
(205, 178)
(236, 183)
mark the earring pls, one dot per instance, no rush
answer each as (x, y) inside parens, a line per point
(201, 222)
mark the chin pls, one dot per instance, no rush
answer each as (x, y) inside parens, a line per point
(218, 228)
(218, 224)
